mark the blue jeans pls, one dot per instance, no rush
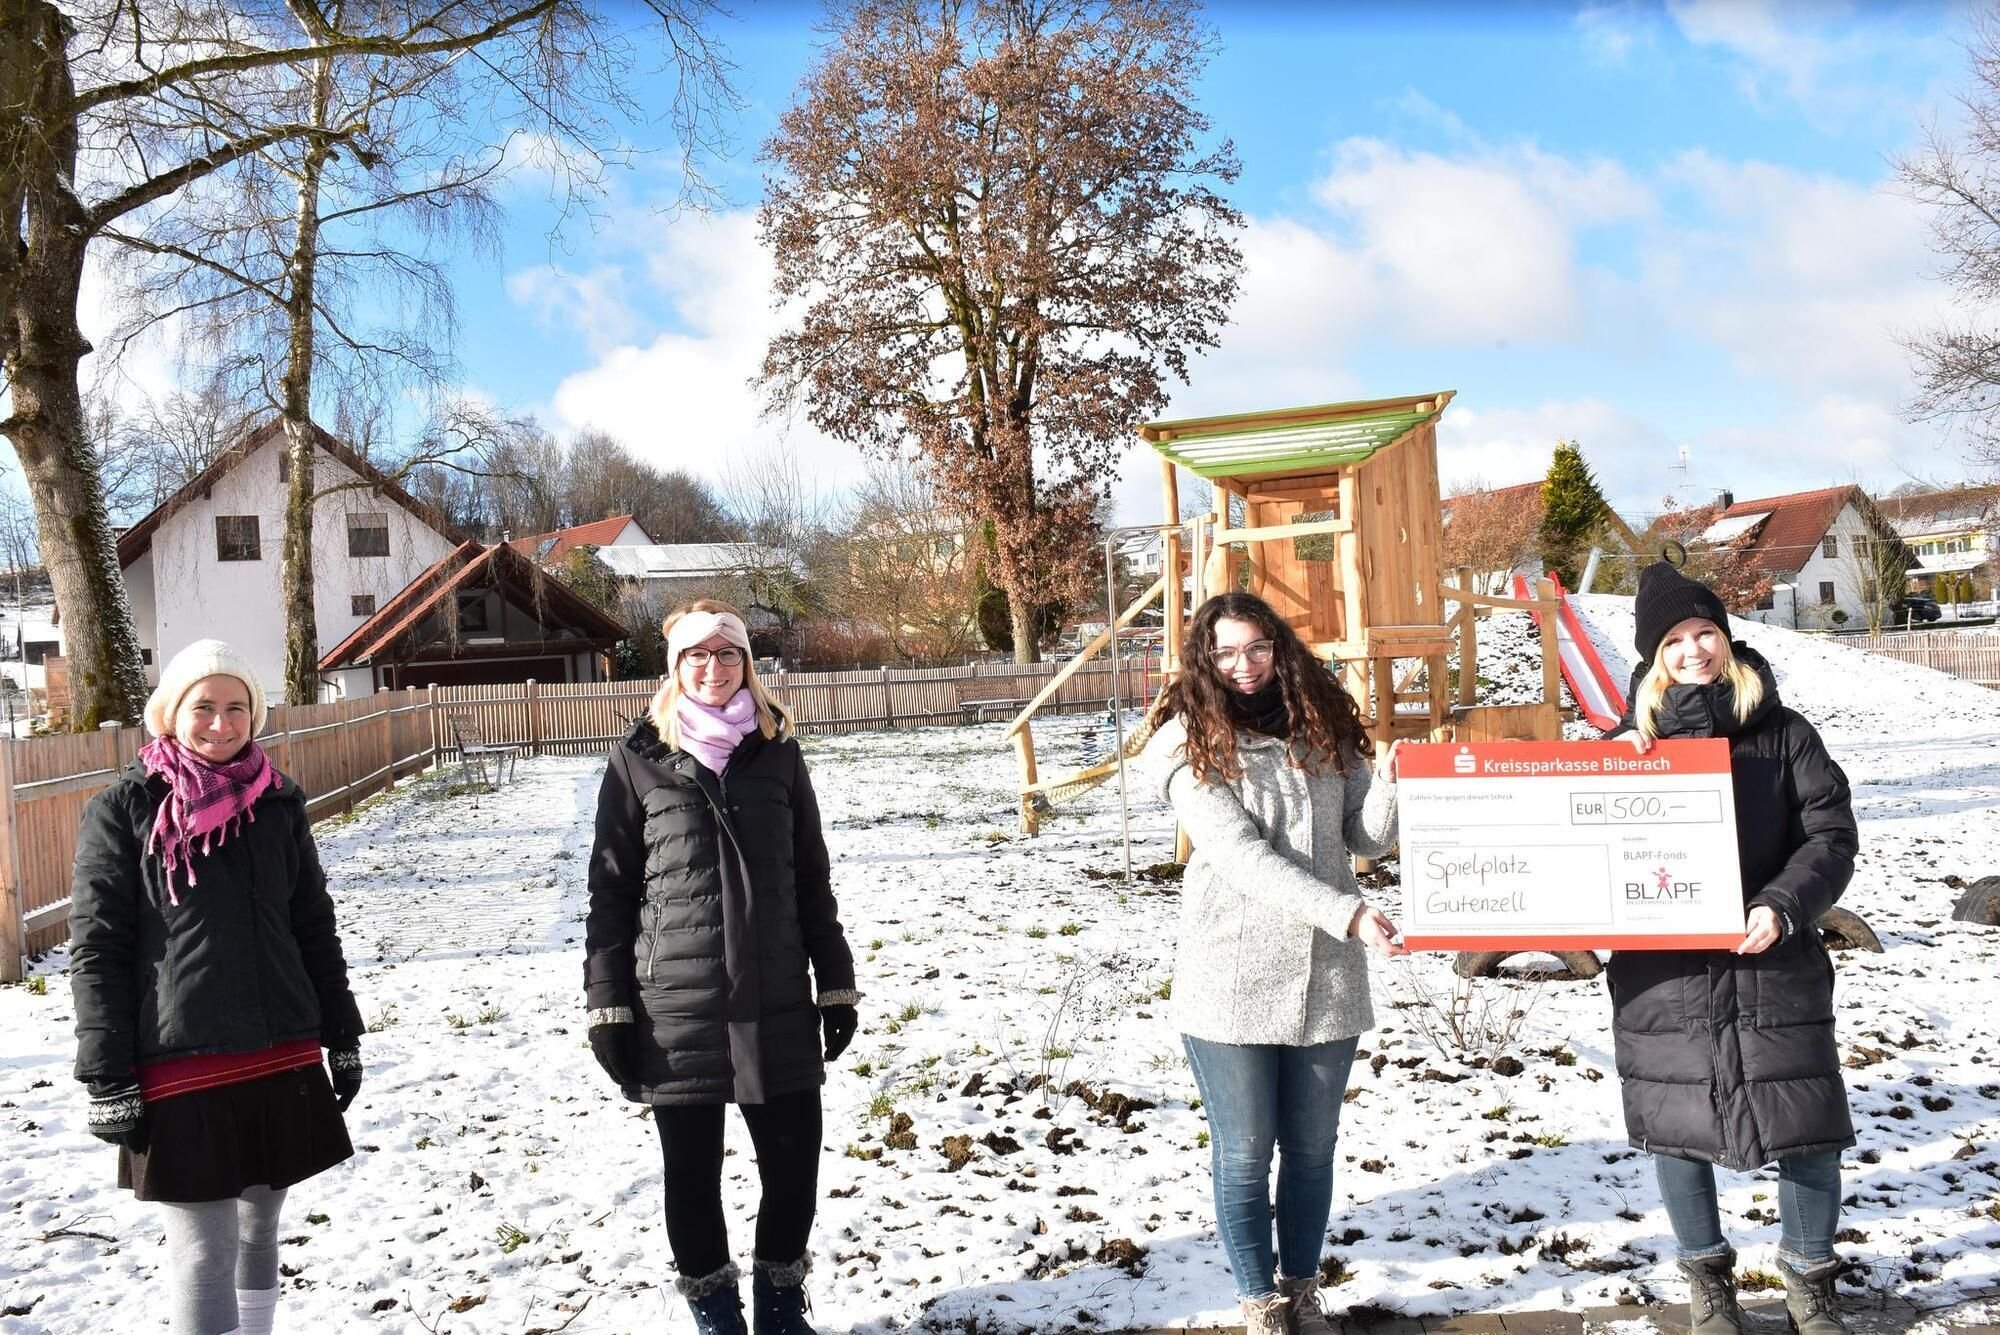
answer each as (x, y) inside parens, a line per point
(1260, 1097)
(1808, 1206)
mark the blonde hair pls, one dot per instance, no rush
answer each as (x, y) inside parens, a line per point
(772, 720)
(1743, 680)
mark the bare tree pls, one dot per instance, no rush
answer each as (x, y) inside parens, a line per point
(909, 566)
(788, 549)
(109, 111)
(1493, 532)
(1958, 360)
(1001, 234)
(315, 268)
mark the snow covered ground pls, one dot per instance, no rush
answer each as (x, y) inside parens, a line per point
(1010, 1143)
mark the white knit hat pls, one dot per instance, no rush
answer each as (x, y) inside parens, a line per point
(203, 658)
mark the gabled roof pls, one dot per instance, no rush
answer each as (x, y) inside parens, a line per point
(137, 540)
(1292, 440)
(1937, 511)
(551, 547)
(468, 565)
(1793, 525)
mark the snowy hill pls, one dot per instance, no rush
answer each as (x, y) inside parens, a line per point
(1011, 1143)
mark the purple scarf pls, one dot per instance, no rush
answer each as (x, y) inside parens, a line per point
(710, 734)
(204, 800)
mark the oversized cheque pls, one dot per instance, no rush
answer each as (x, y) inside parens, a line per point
(1569, 846)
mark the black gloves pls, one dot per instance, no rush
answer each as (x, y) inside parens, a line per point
(346, 1068)
(839, 1022)
(119, 1118)
(611, 1044)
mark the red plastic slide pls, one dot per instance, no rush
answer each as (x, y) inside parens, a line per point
(1598, 695)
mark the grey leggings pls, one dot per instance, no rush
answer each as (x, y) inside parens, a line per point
(215, 1248)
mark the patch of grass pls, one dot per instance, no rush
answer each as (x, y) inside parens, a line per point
(38, 986)
(386, 1018)
(511, 1238)
(864, 1069)
(1499, 1114)
(1055, 1052)
(1201, 1140)
(909, 1012)
(1036, 932)
(490, 1014)
(1069, 929)
(881, 1106)
(457, 1021)
(876, 944)
(1549, 1140)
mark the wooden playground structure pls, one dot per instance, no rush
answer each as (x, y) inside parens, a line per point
(1332, 514)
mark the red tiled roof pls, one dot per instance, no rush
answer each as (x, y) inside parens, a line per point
(1786, 541)
(381, 633)
(598, 533)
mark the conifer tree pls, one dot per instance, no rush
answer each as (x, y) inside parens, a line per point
(1573, 510)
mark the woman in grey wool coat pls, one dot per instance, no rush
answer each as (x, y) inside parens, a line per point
(1264, 758)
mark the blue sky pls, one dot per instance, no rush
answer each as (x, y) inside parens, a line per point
(1642, 226)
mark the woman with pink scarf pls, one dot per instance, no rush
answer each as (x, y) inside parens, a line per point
(716, 970)
(209, 982)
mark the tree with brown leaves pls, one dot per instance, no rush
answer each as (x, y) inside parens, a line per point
(1001, 231)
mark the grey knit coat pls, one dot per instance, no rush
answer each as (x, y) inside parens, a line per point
(1269, 893)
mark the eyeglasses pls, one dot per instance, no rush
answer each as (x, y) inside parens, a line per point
(729, 657)
(1257, 652)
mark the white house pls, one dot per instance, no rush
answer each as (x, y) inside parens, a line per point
(1818, 548)
(207, 563)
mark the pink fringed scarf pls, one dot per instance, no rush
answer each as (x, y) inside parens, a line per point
(710, 734)
(204, 800)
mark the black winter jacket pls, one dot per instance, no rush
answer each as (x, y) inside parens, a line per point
(709, 899)
(1731, 1058)
(248, 959)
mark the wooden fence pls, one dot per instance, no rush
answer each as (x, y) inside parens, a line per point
(1975, 657)
(347, 750)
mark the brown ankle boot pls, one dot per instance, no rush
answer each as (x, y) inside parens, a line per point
(1810, 1304)
(1712, 1308)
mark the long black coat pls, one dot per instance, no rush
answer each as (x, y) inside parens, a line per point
(709, 898)
(247, 960)
(1731, 1058)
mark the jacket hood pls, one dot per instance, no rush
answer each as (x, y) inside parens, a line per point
(1708, 710)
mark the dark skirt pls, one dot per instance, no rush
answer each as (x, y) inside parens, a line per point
(211, 1144)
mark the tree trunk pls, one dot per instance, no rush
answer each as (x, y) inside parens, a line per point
(301, 619)
(44, 346)
(1027, 641)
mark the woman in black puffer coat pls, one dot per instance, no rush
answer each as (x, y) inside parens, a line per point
(1728, 1057)
(208, 982)
(712, 918)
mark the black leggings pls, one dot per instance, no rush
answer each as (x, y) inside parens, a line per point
(786, 1134)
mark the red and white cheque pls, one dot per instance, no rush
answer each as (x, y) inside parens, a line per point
(1568, 846)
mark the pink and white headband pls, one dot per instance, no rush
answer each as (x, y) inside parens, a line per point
(695, 627)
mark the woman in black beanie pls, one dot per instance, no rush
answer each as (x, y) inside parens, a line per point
(1728, 1057)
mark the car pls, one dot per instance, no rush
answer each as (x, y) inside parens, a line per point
(1918, 607)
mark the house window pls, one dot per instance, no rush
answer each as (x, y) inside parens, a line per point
(472, 612)
(362, 604)
(145, 658)
(1826, 593)
(37, 651)
(368, 533)
(284, 464)
(1768, 601)
(236, 538)
(1829, 547)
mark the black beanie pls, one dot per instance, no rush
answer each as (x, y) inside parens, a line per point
(1667, 598)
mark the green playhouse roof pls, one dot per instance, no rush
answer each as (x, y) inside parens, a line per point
(1291, 440)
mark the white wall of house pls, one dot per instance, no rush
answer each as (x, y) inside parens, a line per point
(1828, 581)
(630, 536)
(195, 595)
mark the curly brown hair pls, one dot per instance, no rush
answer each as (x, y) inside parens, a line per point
(1327, 726)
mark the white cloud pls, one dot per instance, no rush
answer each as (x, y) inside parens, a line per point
(595, 303)
(1612, 32)
(1501, 446)
(683, 398)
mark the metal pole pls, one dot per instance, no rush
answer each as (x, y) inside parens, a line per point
(1117, 695)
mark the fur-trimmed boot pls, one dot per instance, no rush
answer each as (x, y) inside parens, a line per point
(1712, 1308)
(1809, 1300)
(716, 1302)
(1308, 1317)
(1270, 1314)
(778, 1296)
